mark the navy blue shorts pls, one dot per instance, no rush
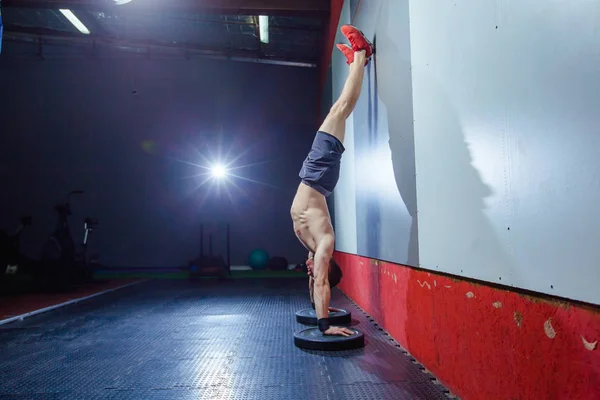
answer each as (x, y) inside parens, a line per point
(321, 168)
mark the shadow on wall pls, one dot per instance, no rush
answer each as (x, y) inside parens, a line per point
(463, 204)
(466, 205)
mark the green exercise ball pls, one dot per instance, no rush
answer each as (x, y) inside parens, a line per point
(259, 259)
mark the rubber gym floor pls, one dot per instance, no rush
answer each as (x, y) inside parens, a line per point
(175, 339)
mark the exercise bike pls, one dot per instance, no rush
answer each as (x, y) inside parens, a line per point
(58, 259)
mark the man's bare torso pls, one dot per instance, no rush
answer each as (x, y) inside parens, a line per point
(310, 216)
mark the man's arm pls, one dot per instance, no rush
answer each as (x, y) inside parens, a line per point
(311, 283)
(322, 291)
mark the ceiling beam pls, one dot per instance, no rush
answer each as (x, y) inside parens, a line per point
(151, 48)
(308, 8)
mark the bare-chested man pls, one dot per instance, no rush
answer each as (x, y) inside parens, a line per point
(320, 172)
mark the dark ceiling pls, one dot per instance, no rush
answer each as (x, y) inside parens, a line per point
(186, 28)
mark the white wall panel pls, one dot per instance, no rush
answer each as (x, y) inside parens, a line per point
(507, 140)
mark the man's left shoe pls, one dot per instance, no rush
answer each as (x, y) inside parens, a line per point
(349, 53)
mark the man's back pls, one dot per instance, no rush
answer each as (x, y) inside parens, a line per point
(310, 216)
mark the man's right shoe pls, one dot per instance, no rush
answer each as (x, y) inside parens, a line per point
(357, 39)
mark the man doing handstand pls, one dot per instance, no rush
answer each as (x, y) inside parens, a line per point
(319, 175)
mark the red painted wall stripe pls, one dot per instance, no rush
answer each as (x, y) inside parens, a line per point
(480, 341)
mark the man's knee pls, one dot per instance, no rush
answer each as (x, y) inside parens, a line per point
(341, 109)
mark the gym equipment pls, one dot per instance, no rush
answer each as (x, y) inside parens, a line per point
(60, 245)
(308, 316)
(278, 264)
(301, 267)
(85, 260)
(58, 260)
(10, 247)
(210, 265)
(258, 259)
(313, 339)
(12, 263)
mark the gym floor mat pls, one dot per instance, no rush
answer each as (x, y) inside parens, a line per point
(173, 339)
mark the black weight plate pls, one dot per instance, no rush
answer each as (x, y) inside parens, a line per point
(308, 316)
(313, 339)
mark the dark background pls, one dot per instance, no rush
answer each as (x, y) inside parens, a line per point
(116, 126)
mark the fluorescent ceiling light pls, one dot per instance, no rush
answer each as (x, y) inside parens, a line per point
(121, 2)
(263, 27)
(75, 21)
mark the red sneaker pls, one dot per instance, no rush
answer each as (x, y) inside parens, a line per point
(357, 39)
(349, 53)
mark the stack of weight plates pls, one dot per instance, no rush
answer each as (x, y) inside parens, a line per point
(312, 339)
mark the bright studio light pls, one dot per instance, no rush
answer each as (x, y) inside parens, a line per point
(263, 28)
(75, 21)
(218, 171)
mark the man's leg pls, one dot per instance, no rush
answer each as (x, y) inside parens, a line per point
(335, 122)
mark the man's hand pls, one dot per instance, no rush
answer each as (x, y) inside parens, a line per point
(339, 331)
